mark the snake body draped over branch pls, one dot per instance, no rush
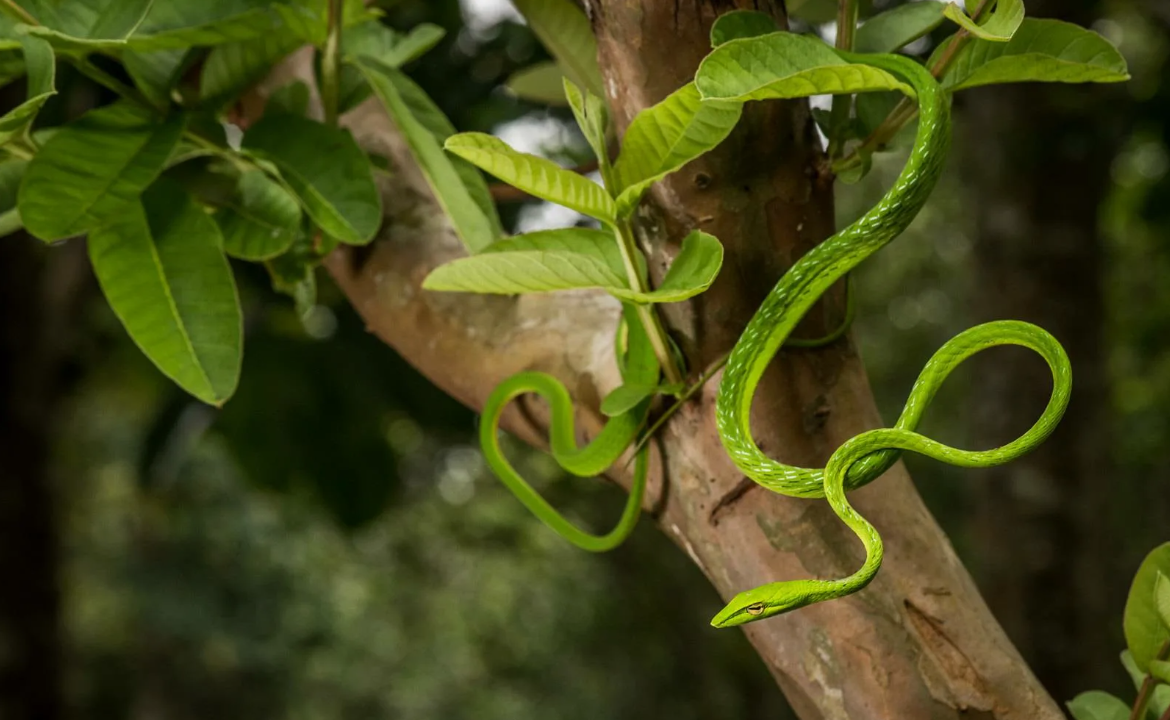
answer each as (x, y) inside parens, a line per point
(857, 462)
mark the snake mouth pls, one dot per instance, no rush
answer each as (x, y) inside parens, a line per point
(731, 616)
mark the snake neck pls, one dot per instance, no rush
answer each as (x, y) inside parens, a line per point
(814, 273)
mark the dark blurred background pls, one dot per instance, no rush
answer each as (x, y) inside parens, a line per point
(330, 545)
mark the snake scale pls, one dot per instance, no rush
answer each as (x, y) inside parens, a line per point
(859, 460)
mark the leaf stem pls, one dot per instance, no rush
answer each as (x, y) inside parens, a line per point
(839, 114)
(331, 64)
(647, 313)
(905, 110)
(18, 12)
(1147, 690)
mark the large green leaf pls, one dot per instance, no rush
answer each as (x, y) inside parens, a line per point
(784, 65)
(1098, 705)
(261, 220)
(534, 175)
(999, 27)
(563, 28)
(739, 24)
(666, 136)
(162, 270)
(574, 259)
(175, 24)
(1144, 630)
(545, 261)
(156, 72)
(232, 68)
(892, 29)
(39, 64)
(1041, 50)
(11, 170)
(542, 83)
(326, 169)
(593, 118)
(93, 170)
(86, 25)
(458, 187)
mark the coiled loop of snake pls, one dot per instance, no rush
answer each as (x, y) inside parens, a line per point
(865, 457)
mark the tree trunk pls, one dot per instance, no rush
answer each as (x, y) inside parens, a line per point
(1039, 173)
(919, 642)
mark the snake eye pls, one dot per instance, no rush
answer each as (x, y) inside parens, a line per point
(755, 608)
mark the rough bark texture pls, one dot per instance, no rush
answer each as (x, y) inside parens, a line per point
(919, 642)
(1043, 522)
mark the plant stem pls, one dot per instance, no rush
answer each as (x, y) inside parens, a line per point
(1147, 690)
(647, 313)
(18, 12)
(331, 64)
(103, 78)
(905, 110)
(839, 114)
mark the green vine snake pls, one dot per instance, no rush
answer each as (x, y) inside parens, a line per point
(868, 455)
(858, 461)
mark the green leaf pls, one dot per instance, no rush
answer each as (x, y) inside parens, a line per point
(813, 12)
(535, 175)
(574, 259)
(1160, 670)
(545, 261)
(162, 270)
(40, 66)
(375, 41)
(292, 98)
(81, 26)
(11, 170)
(626, 397)
(309, 19)
(155, 73)
(739, 24)
(326, 169)
(1162, 598)
(693, 271)
(564, 30)
(896, 28)
(180, 24)
(458, 187)
(232, 68)
(1041, 50)
(93, 170)
(1160, 701)
(1144, 630)
(261, 221)
(593, 118)
(783, 65)
(542, 83)
(294, 274)
(666, 136)
(999, 27)
(1098, 705)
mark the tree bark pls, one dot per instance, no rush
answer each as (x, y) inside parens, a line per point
(1039, 175)
(919, 642)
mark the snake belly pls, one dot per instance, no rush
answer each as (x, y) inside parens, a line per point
(868, 455)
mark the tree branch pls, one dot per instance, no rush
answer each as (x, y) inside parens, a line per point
(919, 642)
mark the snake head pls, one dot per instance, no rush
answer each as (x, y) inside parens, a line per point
(768, 600)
